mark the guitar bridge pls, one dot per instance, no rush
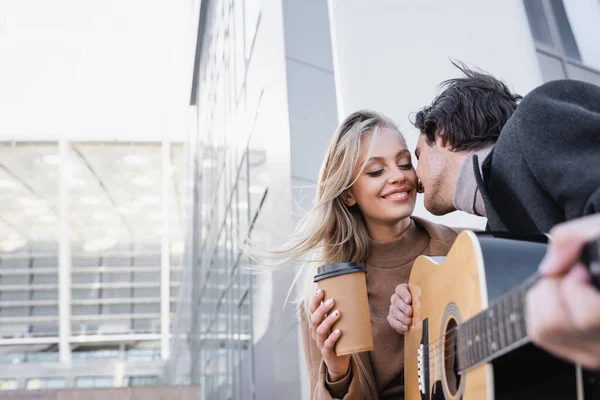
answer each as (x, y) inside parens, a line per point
(421, 369)
(423, 362)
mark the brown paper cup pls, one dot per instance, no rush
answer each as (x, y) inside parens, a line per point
(349, 291)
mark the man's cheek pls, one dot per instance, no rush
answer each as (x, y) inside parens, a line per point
(420, 170)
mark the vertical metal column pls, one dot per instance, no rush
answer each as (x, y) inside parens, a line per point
(250, 296)
(555, 35)
(64, 254)
(165, 253)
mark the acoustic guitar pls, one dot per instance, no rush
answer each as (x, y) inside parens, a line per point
(468, 339)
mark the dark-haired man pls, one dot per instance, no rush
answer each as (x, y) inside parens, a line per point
(527, 164)
(542, 170)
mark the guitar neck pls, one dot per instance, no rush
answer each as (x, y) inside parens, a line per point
(503, 326)
(495, 331)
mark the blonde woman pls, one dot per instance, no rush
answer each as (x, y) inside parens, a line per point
(366, 195)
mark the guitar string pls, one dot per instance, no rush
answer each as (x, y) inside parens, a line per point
(436, 349)
(521, 290)
(436, 365)
(495, 329)
(510, 295)
(478, 344)
(524, 287)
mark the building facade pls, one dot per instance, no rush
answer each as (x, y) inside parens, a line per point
(90, 262)
(264, 98)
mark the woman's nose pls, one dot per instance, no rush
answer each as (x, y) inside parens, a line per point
(396, 175)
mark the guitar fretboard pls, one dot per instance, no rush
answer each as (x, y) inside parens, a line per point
(494, 331)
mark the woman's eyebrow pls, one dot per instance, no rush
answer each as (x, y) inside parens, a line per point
(383, 159)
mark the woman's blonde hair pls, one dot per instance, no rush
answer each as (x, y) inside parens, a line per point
(332, 231)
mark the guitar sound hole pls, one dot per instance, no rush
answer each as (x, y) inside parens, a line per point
(450, 358)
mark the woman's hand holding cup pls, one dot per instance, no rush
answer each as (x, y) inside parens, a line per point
(400, 314)
(323, 316)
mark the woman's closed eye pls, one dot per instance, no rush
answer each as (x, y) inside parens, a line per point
(405, 166)
(375, 173)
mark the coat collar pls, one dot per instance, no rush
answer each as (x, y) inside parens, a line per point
(481, 176)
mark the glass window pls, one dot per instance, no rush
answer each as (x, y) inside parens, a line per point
(143, 354)
(566, 35)
(538, 22)
(42, 357)
(238, 38)
(8, 384)
(564, 29)
(141, 380)
(45, 383)
(257, 162)
(96, 355)
(582, 74)
(584, 17)
(251, 12)
(12, 358)
(94, 382)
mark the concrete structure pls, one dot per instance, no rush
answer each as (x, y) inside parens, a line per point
(149, 393)
(88, 276)
(94, 102)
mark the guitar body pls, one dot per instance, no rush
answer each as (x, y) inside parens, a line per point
(447, 292)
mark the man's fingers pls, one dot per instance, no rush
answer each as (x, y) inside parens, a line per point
(581, 301)
(560, 257)
(567, 240)
(545, 312)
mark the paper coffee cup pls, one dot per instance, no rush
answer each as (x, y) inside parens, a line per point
(346, 284)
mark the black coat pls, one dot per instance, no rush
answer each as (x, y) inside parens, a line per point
(545, 166)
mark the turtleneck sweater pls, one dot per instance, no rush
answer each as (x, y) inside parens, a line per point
(378, 374)
(467, 197)
(388, 265)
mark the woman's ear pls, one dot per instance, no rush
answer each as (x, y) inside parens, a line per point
(348, 199)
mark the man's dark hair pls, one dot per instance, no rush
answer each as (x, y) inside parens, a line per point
(470, 112)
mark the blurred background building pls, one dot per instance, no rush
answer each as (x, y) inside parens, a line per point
(121, 237)
(92, 160)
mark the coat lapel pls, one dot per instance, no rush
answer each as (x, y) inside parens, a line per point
(497, 216)
(494, 221)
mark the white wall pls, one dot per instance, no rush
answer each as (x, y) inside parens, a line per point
(584, 17)
(390, 55)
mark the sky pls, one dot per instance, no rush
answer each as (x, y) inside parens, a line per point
(96, 70)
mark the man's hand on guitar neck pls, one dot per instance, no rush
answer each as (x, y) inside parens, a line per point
(563, 308)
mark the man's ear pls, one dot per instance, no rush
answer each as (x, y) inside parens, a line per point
(348, 199)
(441, 140)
